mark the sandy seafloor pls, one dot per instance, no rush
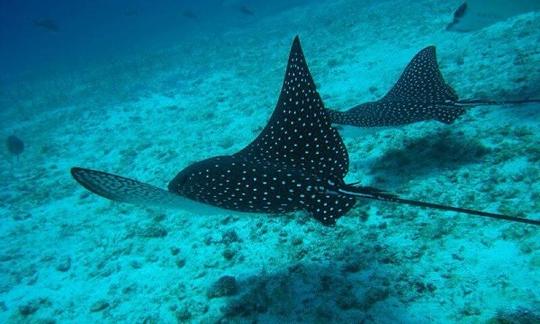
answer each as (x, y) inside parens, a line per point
(68, 256)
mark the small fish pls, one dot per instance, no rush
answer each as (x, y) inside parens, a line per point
(420, 94)
(297, 163)
(189, 14)
(131, 12)
(46, 24)
(476, 14)
(15, 145)
(246, 10)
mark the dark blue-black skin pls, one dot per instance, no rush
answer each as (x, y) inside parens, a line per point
(420, 94)
(297, 162)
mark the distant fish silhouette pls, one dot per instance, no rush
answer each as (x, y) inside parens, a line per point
(47, 24)
(189, 14)
(15, 145)
(131, 12)
(420, 94)
(297, 162)
(476, 14)
(246, 10)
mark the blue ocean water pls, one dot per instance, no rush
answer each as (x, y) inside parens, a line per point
(144, 89)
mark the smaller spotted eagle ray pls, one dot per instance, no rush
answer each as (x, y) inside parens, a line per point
(420, 94)
(297, 163)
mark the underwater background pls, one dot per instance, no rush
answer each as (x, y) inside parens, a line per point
(144, 89)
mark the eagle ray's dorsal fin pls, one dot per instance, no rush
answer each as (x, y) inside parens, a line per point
(299, 133)
(422, 81)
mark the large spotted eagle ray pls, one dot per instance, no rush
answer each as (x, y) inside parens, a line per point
(420, 94)
(297, 162)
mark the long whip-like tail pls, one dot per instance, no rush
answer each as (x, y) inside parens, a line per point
(489, 102)
(376, 194)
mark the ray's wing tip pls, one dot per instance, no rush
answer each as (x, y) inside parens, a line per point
(429, 50)
(103, 184)
(76, 172)
(81, 176)
(87, 178)
(296, 47)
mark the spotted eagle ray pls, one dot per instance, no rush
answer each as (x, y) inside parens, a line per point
(297, 163)
(420, 94)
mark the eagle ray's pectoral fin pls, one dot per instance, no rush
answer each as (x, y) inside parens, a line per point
(122, 189)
